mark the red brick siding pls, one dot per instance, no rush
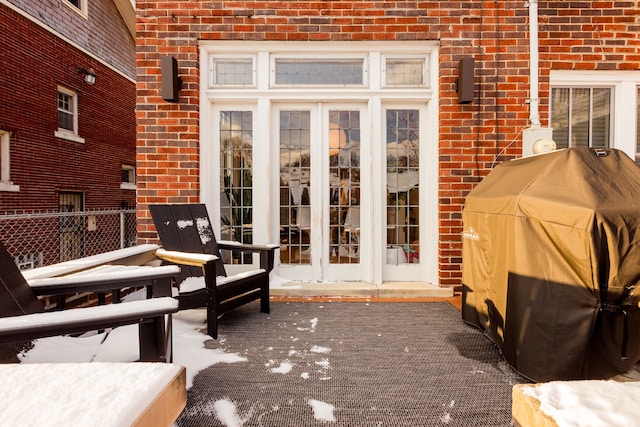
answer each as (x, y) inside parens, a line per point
(34, 63)
(102, 32)
(573, 35)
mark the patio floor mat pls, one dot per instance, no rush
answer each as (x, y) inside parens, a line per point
(352, 364)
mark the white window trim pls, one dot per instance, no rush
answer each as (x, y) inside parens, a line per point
(82, 11)
(65, 133)
(129, 185)
(5, 167)
(625, 87)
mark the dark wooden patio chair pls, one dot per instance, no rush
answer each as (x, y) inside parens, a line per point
(185, 230)
(23, 318)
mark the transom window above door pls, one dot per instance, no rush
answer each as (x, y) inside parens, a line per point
(401, 67)
(327, 72)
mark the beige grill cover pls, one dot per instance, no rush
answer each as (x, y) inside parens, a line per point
(551, 262)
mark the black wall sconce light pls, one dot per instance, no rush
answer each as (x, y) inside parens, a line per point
(464, 85)
(171, 83)
(89, 75)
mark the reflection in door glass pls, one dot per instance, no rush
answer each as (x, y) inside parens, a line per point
(295, 176)
(344, 187)
(403, 190)
(236, 143)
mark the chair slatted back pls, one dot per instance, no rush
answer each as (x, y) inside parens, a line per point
(187, 228)
(16, 296)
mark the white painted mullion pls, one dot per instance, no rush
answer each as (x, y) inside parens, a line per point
(378, 190)
(209, 154)
(429, 192)
(319, 188)
(262, 207)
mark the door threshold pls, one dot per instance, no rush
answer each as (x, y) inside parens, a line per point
(366, 290)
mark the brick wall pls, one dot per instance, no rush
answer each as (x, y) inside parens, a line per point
(34, 62)
(573, 35)
(102, 32)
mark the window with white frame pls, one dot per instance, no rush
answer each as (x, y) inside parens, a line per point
(29, 260)
(296, 72)
(67, 107)
(595, 109)
(581, 116)
(405, 71)
(233, 72)
(128, 177)
(5, 164)
(79, 6)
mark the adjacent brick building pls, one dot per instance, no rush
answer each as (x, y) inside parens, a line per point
(66, 144)
(294, 118)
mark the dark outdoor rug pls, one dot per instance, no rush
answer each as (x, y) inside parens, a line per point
(377, 364)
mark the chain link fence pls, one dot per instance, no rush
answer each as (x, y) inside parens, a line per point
(37, 239)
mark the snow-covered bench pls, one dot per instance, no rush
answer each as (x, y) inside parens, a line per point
(608, 403)
(83, 394)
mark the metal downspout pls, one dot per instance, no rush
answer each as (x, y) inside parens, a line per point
(534, 101)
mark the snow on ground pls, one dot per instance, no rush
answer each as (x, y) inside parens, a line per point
(121, 345)
(322, 411)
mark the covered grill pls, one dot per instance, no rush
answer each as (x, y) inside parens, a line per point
(551, 263)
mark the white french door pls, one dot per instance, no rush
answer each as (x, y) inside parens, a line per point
(324, 232)
(345, 203)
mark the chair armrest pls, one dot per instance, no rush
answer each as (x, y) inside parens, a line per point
(229, 244)
(99, 280)
(186, 258)
(38, 325)
(267, 252)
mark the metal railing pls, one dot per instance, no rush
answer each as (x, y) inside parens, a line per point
(37, 239)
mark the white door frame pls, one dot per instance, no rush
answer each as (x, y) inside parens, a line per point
(260, 98)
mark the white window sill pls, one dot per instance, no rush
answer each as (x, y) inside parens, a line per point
(8, 186)
(69, 136)
(127, 186)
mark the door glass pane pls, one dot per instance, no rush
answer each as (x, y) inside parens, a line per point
(295, 180)
(344, 187)
(71, 225)
(402, 144)
(236, 213)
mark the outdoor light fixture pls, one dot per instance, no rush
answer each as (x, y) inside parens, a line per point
(465, 82)
(171, 82)
(89, 75)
